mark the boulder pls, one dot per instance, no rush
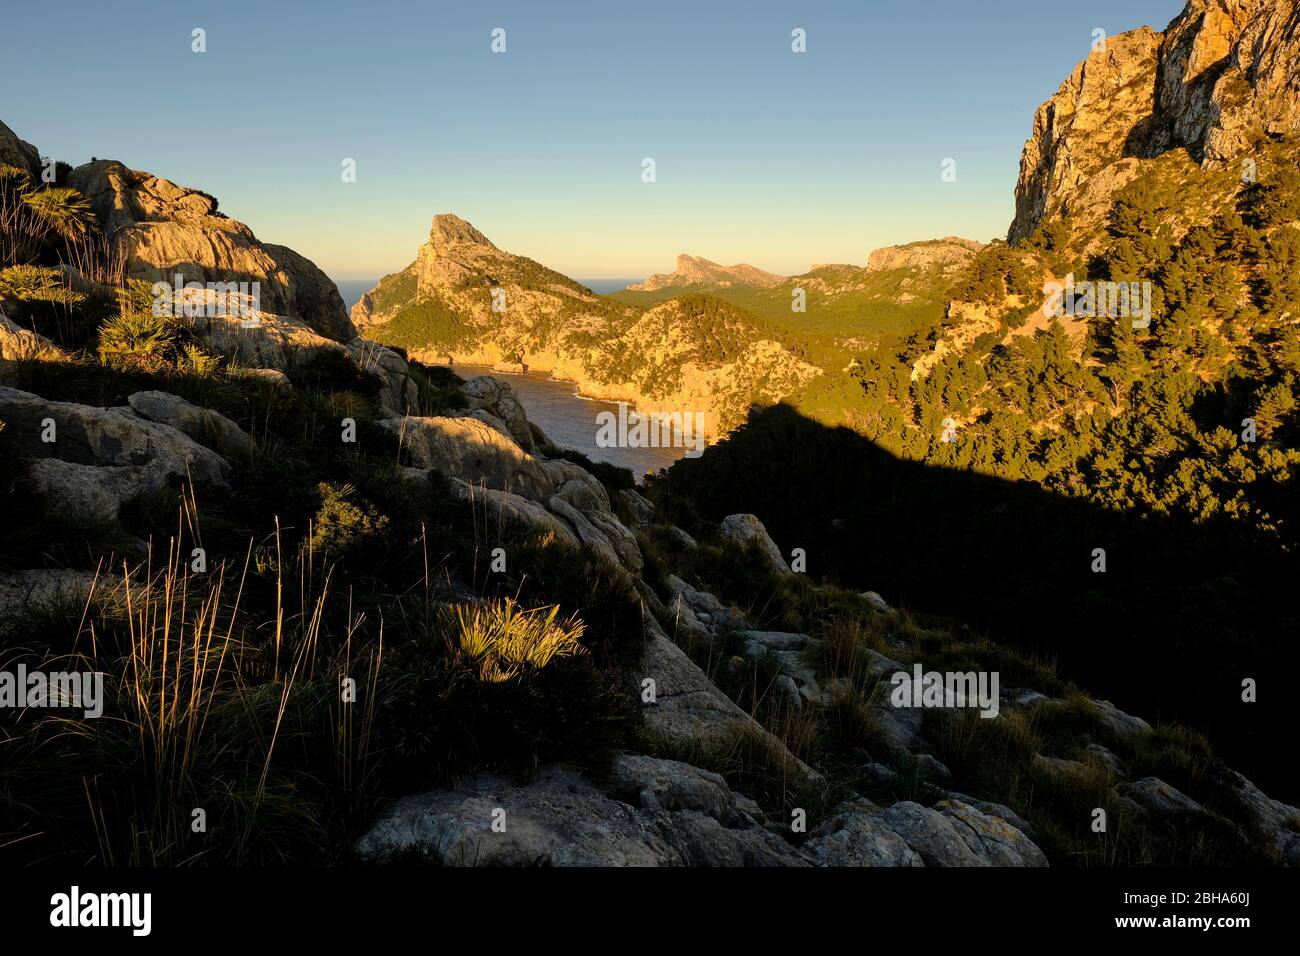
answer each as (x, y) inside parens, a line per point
(400, 393)
(1153, 793)
(744, 529)
(204, 425)
(654, 813)
(102, 458)
(699, 611)
(18, 344)
(473, 451)
(993, 839)
(640, 509)
(682, 539)
(955, 834)
(506, 508)
(272, 377)
(876, 601)
(856, 835)
(499, 398)
(689, 709)
(1278, 821)
(1124, 726)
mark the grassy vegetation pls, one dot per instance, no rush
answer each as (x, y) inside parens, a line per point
(345, 641)
(998, 760)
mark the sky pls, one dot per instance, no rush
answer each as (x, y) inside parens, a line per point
(762, 155)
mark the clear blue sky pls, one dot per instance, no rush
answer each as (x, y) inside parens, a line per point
(763, 155)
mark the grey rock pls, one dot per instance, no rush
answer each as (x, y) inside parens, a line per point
(788, 692)
(934, 770)
(31, 592)
(18, 344)
(505, 508)
(992, 838)
(399, 394)
(953, 833)
(16, 152)
(1125, 726)
(204, 425)
(500, 399)
(102, 458)
(640, 509)
(1154, 794)
(747, 529)
(931, 834)
(1278, 821)
(856, 835)
(164, 228)
(876, 601)
(273, 377)
(683, 540)
(655, 813)
(774, 640)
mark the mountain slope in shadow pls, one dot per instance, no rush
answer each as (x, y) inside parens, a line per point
(1181, 616)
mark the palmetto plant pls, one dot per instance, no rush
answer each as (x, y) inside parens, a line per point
(31, 214)
(138, 338)
(504, 641)
(61, 210)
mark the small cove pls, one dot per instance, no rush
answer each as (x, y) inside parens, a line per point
(570, 420)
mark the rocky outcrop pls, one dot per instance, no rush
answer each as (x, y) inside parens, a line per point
(1085, 127)
(1219, 79)
(22, 155)
(488, 466)
(656, 812)
(692, 270)
(952, 833)
(93, 461)
(400, 392)
(948, 254)
(653, 813)
(165, 229)
(202, 424)
(498, 398)
(1229, 72)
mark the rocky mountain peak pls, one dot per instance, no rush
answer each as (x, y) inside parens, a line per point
(449, 229)
(1220, 78)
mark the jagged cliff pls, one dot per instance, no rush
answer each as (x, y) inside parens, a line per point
(1220, 79)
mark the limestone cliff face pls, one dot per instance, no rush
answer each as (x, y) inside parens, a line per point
(1221, 77)
(949, 253)
(463, 300)
(1229, 74)
(167, 229)
(692, 270)
(1085, 127)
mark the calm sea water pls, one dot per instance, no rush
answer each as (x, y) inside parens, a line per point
(567, 419)
(353, 289)
(570, 421)
(606, 286)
